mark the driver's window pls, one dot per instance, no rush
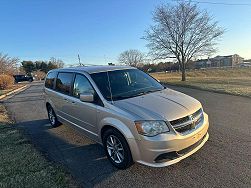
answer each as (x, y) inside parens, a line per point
(81, 86)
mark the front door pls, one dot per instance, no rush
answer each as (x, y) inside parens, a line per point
(83, 114)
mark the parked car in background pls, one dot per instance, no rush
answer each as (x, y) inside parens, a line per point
(21, 78)
(130, 113)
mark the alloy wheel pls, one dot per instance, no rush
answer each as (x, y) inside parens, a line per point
(115, 149)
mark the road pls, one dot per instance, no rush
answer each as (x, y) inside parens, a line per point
(224, 161)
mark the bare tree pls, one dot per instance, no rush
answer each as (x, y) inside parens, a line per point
(8, 65)
(183, 31)
(58, 62)
(131, 57)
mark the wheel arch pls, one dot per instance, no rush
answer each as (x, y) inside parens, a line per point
(115, 124)
(111, 123)
(47, 104)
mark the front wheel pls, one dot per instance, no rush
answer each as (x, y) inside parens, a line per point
(117, 149)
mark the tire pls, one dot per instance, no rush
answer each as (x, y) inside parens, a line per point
(30, 80)
(52, 117)
(120, 156)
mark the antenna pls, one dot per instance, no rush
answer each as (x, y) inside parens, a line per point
(79, 61)
(110, 87)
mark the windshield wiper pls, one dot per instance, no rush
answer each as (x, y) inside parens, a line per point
(145, 92)
(153, 90)
(121, 97)
(135, 95)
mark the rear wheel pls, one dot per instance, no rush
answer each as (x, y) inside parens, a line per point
(52, 117)
(117, 149)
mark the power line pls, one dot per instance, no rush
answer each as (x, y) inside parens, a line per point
(217, 3)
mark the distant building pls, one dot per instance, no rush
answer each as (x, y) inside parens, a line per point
(219, 61)
(203, 63)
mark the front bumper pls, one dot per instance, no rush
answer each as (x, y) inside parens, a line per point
(156, 151)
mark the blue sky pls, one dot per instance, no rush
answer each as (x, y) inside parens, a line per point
(99, 30)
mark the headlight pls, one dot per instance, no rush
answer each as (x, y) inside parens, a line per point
(151, 128)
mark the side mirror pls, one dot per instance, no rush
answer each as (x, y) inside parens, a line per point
(87, 97)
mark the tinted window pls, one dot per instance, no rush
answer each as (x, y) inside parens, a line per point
(81, 86)
(63, 83)
(101, 80)
(50, 80)
(125, 84)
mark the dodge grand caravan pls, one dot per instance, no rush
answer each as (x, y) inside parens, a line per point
(131, 114)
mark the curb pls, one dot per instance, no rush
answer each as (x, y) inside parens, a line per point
(13, 92)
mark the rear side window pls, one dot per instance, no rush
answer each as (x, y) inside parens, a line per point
(63, 83)
(50, 80)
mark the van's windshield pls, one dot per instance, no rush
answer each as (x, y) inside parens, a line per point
(122, 84)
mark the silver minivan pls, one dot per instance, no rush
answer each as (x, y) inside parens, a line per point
(130, 113)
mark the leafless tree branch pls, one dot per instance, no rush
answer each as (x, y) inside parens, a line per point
(131, 57)
(8, 65)
(184, 31)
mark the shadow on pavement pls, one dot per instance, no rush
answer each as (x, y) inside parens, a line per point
(85, 161)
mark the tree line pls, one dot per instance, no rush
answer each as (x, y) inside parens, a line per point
(44, 66)
(38, 69)
(164, 66)
(10, 66)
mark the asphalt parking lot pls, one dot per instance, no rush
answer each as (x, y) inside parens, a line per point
(224, 161)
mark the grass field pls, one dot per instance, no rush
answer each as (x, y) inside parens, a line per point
(21, 165)
(236, 81)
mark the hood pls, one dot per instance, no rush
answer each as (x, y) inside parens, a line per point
(161, 105)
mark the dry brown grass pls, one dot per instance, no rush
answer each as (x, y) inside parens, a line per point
(11, 88)
(6, 81)
(236, 81)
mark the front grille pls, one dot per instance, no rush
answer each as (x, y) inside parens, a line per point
(184, 128)
(197, 113)
(179, 121)
(188, 122)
